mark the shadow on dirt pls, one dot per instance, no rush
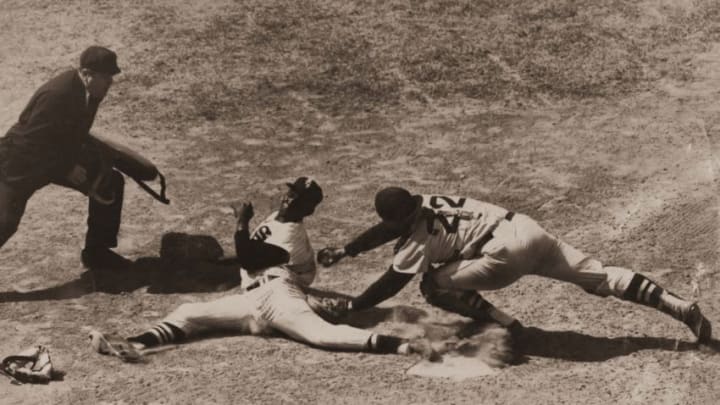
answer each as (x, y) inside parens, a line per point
(529, 341)
(370, 317)
(187, 264)
(374, 316)
(161, 276)
(574, 346)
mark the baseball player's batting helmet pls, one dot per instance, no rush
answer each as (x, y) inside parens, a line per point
(395, 204)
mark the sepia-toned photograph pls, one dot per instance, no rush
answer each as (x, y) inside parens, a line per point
(494, 202)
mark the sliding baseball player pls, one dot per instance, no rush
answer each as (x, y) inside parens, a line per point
(277, 262)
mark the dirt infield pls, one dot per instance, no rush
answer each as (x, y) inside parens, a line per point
(599, 120)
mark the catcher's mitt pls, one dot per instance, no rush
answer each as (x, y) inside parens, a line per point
(29, 366)
(329, 308)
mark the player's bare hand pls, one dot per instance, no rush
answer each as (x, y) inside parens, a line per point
(243, 211)
(330, 255)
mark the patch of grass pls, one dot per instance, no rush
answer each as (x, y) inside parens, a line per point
(343, 57)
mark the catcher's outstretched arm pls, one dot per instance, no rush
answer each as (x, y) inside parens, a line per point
(389, 284)
(375, 236)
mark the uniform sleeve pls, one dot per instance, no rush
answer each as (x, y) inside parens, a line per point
(375, 236)
(389, 284)
(53, 113)
(410, 258)
(277, 235)
(256, 255)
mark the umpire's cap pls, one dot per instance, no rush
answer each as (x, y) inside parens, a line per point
(307, 190)
(395, 204)
(99, 59)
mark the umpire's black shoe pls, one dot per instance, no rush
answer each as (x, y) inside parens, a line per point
(102, 258)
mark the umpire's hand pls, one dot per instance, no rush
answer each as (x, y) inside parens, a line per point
(77, 176)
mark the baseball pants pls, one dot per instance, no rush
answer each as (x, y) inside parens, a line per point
(103, 219)
(520, 247)
(279, 304)
(13, 200)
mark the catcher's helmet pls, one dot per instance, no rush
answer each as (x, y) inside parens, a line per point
(307, 190)
(395, 204)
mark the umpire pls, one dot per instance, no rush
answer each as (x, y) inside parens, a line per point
(50, 144)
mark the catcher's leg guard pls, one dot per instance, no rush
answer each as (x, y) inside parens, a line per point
(465, 303)
(646, 292)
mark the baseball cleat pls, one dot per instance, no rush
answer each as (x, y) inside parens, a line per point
(114, 346)
(698, 324)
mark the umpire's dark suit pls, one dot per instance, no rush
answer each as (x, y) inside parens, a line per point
(42, 148)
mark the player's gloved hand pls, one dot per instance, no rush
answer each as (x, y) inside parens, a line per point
(330, 255)
(243, 211)
(330, 308)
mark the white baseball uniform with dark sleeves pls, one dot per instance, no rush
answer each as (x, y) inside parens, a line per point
(274, 299)
(292, 237)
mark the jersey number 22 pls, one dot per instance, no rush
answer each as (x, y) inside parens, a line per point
(440, 201)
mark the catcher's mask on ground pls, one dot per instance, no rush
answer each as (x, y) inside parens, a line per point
(397, 207)
(303, 195)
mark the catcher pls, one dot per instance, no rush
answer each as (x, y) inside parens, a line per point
(277, 263)
(462, 245)
(51, 144)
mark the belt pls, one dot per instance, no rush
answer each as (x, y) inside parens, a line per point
(485, 239)
(260, 281)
